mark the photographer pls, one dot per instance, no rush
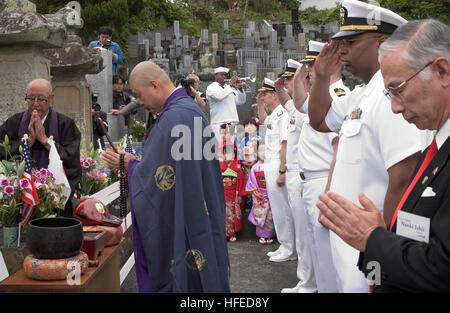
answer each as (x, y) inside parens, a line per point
(97, 131)
(191, 84)
(105, 42)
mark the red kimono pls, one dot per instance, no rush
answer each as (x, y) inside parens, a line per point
(234, 185)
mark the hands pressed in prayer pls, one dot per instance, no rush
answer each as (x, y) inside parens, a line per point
(350, 222)
(36, 130)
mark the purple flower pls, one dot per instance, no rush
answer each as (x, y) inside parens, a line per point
(24, 184)
(9, 190)
(4, 182)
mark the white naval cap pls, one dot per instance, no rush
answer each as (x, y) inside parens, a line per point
(357, 17)
(268, 85)
(221, 70)
(314, 48)
(291, 68)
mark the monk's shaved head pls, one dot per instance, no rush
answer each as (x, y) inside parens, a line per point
(151, 85)
(147, 71)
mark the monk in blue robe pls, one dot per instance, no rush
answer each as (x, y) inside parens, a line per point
(177, 196)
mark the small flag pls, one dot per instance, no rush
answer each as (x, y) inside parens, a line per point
(29, 193)
(129, 146)
(56, 167)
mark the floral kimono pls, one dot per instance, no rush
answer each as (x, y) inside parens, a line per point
(234, 186)
(261, 214)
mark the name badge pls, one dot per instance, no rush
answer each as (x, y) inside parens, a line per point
(413, 226)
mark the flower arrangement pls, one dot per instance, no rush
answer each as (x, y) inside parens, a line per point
(10, 200)
(137, 129)
(92, 179)
(49, 193)
(10, 187)
(12, 184)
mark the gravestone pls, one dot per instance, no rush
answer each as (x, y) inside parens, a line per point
(215, 42)
(101, 83)
(273, 40)
(301, 42)
(23, 35)
(289, 41)
(248, 39)
(186, 46)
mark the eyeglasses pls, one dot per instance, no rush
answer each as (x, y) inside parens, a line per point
(39, 99)
(349, 42)
(390, 92)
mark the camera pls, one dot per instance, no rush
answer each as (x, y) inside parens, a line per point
(187, 83)
(95, 106)
(107, 44)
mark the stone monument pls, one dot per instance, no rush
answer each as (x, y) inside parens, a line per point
(69, 66)
(23, 35)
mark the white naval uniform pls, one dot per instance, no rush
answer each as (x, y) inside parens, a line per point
(305, 271)
(222, 103)
(276, 132)
(315, 156)
(369, 145)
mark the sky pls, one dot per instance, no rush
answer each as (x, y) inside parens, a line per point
(320, 4)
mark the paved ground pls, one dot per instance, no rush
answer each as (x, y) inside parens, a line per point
(251, 271)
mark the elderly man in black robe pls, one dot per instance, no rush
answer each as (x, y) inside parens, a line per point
(40, 122)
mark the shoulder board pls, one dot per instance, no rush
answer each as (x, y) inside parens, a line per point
(339, 92)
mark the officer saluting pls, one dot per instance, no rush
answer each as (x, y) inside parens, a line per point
(315, 157)
(284, 86)
(276, 123)
(377, 149)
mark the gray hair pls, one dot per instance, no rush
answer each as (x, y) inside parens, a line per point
(193, 76)
(420, 42)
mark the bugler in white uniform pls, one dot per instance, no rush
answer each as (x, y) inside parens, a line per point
(222, 101)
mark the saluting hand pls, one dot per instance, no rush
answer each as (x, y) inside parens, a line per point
(279, 83)
(329, 59)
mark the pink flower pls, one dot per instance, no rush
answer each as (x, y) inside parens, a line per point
(4, 182)
(9, 190)
(24, 183)
(43, 172)
(85, 164)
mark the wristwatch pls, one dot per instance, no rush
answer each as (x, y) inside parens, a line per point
(282, 172)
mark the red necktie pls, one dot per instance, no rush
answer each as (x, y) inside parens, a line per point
(430, 154)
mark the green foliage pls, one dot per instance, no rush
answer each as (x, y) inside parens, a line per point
(420, 9)
(312, 15)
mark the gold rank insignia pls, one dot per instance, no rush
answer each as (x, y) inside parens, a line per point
(280, 113)
(342, 15)
(339, 92)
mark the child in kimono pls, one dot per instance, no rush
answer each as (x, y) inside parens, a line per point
(234, 185)
(260, 214)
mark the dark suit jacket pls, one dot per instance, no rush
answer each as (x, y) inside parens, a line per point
(412, 266)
